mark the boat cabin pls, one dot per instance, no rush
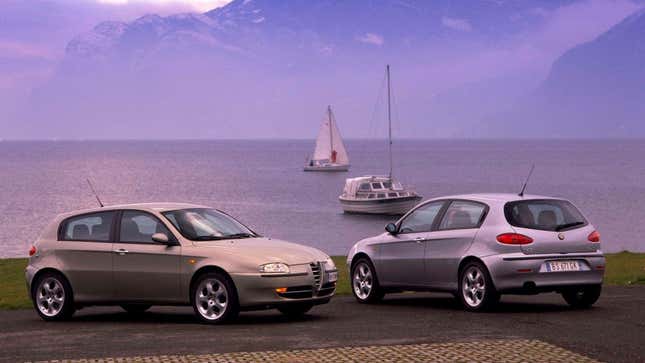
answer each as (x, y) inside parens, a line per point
(374, 187)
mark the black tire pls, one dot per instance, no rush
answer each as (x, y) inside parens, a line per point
(484, 299)
(582, 297)
(375, 293)
(39, 292)
(295, 310)
(135, 309)
(232, 306)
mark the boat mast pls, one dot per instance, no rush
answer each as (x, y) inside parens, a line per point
(389, 118)
(331, 134)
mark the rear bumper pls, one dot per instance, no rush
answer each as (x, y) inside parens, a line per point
(520, 273)
(30, 272)
(256, 291)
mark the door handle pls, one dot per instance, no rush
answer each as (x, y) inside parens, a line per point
(419, 239)
(121, 251)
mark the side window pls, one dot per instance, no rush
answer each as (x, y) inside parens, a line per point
(421, 219)
(364, 187)
(463, 215)
(93, 227)
(140, 226)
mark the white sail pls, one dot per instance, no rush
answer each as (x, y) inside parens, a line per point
(329, 144)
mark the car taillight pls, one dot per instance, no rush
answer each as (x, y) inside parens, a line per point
(32, 251)
(514, 239)
(594, 236)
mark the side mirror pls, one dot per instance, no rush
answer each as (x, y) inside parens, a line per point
(391, 228)
(160, 238)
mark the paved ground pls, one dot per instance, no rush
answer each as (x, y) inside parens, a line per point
(499, 351)
(612, 331)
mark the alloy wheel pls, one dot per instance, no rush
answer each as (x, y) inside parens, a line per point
(50, 297)
(211, 298)
(362, 280)
(473, 286)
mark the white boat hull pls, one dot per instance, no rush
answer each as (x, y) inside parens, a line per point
(388, 206)
(336, 167)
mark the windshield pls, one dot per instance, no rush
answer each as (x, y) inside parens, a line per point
(546, 215)
(202, 224)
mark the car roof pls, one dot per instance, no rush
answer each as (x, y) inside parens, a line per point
(157, 207)
(494, 197)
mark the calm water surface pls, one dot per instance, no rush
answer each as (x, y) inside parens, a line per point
(262, 184)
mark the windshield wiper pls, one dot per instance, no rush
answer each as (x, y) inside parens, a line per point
(568, 225)
(218, 238)
(239, 235)
(206, 238)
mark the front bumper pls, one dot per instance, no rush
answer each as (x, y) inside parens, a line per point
(522, 273)
(258, 291)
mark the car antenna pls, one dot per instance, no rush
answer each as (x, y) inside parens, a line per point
(521, 194)
(89, 182)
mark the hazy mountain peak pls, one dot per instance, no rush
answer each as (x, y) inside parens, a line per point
(262, 66)
(97, 41)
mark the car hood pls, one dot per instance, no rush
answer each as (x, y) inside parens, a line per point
(264, 250)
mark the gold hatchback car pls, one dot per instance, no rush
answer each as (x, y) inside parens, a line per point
(141, 255)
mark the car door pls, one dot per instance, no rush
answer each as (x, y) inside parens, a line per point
(85, 253)
(453, 235)
(401, 255)
(145, 270)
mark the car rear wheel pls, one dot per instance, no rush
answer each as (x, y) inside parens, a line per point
(214, 298)
(476, 290)
(52, 297)
(295, 310)
(365, 286)
(135, 309)
(582, 297)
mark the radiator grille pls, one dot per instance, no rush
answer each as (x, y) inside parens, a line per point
(316, 270)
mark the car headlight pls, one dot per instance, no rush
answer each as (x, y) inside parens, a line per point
(275, 267)
(329, 264)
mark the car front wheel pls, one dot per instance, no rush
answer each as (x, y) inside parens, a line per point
(52, 297)
(215, 298)
(582, 297)
(476, 290)
(365, 286)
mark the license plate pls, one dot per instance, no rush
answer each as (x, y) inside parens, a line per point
(332, 276)
(560, 266)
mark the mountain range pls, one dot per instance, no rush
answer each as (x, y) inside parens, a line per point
(261, 68)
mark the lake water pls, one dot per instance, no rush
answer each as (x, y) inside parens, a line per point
(262, 183)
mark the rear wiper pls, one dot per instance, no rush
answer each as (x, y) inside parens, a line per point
(568, 225)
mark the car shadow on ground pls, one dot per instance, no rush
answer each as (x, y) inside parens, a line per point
(172, 317)
(507, 304)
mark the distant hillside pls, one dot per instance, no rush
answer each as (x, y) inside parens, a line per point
(264, 68)
(301, 33)
(595, 89)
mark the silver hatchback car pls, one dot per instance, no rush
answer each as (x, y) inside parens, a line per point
(140, 255)
(480, 246)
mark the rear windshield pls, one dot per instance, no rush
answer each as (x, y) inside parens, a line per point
(546, 215)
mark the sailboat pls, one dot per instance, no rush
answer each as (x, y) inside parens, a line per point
(330, 153)
(379, 194)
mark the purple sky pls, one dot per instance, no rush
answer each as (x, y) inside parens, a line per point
(34, 33)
